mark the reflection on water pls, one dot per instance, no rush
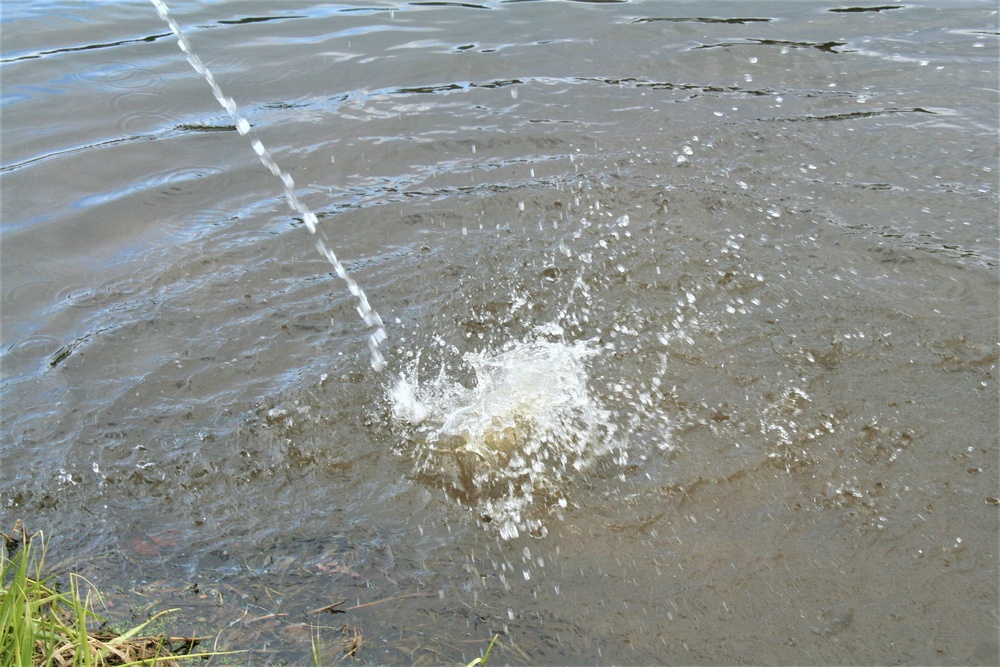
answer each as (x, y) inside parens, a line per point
(691, 316)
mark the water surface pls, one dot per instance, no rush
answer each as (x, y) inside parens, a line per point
(735, 263)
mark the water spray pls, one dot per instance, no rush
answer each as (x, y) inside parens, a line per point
(368, 314)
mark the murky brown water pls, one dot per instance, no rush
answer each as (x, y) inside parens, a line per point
(772, 226)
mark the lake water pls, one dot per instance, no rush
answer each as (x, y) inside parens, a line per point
(692, 316)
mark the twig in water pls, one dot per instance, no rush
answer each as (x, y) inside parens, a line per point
(330, 608)
(398, 597)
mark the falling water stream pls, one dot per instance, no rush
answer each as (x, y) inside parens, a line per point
(692, 312)
(371, 317)
(528, 423)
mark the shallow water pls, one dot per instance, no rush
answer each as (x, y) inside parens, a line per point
(753, 247)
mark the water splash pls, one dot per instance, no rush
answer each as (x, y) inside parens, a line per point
(509, 445)
(368, 314)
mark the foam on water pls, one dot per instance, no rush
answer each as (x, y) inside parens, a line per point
(510, 444)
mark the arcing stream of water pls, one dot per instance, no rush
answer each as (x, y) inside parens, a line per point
(368, 314)
(508, 445)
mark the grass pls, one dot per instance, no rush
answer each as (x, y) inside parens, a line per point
(482, 662)
(41, 625)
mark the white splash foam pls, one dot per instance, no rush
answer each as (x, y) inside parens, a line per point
(508, 445)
